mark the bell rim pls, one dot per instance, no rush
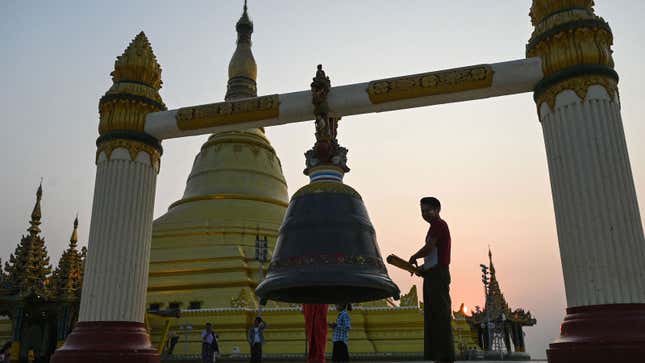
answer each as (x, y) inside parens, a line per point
(380, 284)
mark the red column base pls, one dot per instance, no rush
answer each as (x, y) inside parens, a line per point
(601, 333)
(107, 341)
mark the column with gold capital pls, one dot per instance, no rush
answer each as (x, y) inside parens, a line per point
(110, 326)
(600, 233)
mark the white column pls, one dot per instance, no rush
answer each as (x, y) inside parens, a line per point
(602, 247)
(116, 272)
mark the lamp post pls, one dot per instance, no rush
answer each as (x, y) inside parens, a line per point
(261, 251)
(485, 281)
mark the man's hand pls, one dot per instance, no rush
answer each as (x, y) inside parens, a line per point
(413, 262)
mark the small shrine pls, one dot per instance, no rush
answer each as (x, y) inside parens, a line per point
(499, 328)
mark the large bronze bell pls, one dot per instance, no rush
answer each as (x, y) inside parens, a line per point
(326, 250)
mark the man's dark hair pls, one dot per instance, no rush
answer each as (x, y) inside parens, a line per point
(432, 202)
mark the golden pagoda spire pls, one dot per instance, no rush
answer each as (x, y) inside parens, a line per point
(73, 240)
(490, 262)
(36, 214)
(498, 304)
(28, 268)
(242, 69)
(68, 275)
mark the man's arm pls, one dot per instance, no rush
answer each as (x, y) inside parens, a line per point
(424, 251)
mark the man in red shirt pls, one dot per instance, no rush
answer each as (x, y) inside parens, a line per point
(438, 342)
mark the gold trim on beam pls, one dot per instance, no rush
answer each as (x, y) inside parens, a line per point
(430, 84)
(228, 113)
(229, 196)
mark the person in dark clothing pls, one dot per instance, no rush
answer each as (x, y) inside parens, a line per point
(438, 341)
(209, 344)
(5, 353)
(172, 342)
(256, 339)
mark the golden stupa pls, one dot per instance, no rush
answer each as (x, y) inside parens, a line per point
(202, 258)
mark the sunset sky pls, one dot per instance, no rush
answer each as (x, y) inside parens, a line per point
(485, 160)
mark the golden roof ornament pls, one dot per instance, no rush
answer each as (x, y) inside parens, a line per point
(138, 64)
(541, 9)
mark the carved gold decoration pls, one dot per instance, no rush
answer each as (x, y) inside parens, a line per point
(228, 113)
(574, 47)
(135, 89)
(430, 84)
(124, 114)
(229, 196)
(543, 8)
(133, 147)
(134, 92)
(568, 33)
(561, 18)
(138, 64)
(243, 300)
(580, 85)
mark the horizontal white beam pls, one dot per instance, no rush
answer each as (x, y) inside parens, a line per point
(426, 89)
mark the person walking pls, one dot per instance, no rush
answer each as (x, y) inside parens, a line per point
(256, 339)
(209, 344)
(172, 342)
(342, 326)
(438, 344)
(316, 331)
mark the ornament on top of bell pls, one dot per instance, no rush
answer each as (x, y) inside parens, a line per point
(326, 250)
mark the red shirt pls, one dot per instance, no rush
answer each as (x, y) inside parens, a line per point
(439, 230)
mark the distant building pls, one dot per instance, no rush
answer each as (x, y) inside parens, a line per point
(40, 306)
(499, 328)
